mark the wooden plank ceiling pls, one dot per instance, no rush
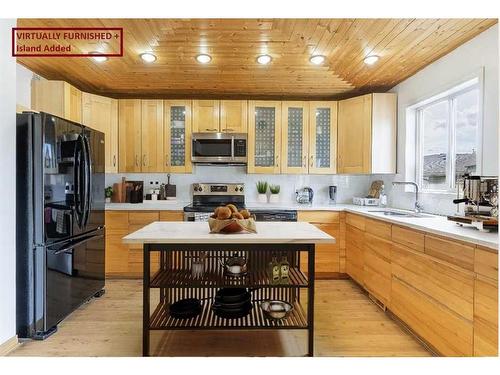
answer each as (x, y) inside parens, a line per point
(404, 46)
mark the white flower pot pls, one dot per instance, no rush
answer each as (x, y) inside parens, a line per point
(274, 198)
(108, 200)
(262, 198)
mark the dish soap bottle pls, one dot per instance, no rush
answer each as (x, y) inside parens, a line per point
(274, 270)
(284, 270)
(382, 197)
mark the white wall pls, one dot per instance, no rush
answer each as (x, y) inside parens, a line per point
(479, 53)
(23, 86)
(8, 185)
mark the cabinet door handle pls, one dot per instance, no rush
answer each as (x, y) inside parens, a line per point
(114, 160)
(136, 160)
(277, 156)
(166, 160)
(211, 130)
(144, 160)
(304, 162)
(229, 130)
(312, 161)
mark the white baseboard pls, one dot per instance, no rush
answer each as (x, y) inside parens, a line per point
(8, 346)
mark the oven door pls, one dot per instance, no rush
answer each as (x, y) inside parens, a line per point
(212, 148)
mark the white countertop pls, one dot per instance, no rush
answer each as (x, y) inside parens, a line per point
(165, 205)
(199, 233)
(438, 225)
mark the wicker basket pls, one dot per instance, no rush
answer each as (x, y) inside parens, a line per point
(232, 225)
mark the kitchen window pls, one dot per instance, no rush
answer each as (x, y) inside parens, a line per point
(448, 137)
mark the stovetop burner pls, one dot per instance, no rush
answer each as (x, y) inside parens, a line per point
(209, 207)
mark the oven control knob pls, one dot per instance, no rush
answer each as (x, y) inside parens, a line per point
(241, 188)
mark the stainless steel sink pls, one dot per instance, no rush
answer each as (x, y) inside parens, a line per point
(389, 212)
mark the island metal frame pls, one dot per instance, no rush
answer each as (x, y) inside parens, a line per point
(174, 280)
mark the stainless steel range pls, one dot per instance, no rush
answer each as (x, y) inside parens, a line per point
(208, 196)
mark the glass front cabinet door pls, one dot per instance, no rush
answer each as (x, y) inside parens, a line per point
(322, 137)
(177, 136)
(294, 137)
(264, 136)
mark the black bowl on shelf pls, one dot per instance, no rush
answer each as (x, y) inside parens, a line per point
(185, 308)
(232, 303)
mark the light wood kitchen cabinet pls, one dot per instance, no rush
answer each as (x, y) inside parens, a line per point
(58, 98)
(327, 257)
(294, 136)
(485, 316)
(101, 113)
(130, 135)
(354, 249)
(264, 137)
(367, 134)
(124, 260)
(233, 116)
(452, 251)
(152, 158)
(177, 136)
(206, 116)
(411, 238)
(322, 137)
(486, 302)
(377, 267)
(435, 299)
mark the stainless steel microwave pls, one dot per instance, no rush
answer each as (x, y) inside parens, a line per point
(219, 148)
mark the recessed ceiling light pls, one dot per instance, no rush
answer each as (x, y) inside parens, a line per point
(370, 60)
(203, 58)
(99, 58)
(148, 57)
(264, 59)
(317, 59)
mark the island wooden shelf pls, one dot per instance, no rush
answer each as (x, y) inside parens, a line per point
(179, 278)
(161, 319)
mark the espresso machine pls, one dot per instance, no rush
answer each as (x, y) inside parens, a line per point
(479, 194)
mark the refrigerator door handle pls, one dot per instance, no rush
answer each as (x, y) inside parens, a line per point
(78, 183)
(88, 179)
(71, 244)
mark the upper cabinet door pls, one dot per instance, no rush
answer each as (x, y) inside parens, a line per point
(177, 136)
(101, 113)
(152, 135)
(58, 98)
(294, 137)
(130, 135)
(233, 116)
(206, 116)
(355, 116)
(264, 136)
(322, 137)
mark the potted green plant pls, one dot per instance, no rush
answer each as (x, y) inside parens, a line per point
(108, 193)
(262, 190)
(275, 193)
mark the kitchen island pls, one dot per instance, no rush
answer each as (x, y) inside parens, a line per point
(180, 244)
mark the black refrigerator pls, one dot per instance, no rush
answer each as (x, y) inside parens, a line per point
(60, 220)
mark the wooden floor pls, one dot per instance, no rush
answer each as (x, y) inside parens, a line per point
(347, 324)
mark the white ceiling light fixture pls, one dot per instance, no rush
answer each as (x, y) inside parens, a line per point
(317, 59)
(264, 59)
(148, 57)
(203, 58)
(98, 58)
(371, 59)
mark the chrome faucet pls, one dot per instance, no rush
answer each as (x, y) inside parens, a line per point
(418, 206)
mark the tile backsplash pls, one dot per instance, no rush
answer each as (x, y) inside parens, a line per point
(347, 185)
